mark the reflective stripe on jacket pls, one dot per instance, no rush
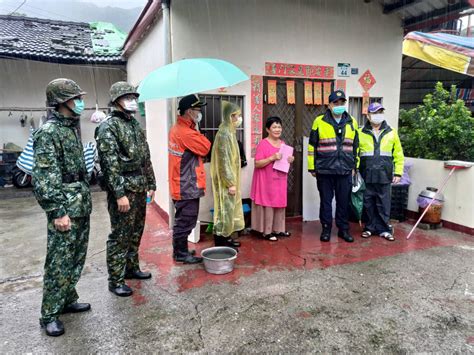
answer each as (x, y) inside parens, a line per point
(333, 146)
(378, 157)
(186, 148)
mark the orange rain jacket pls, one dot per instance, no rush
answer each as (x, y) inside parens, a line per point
(186, 148)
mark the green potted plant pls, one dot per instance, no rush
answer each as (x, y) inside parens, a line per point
(442, 128)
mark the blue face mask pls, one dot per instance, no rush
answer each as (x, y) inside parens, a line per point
(338, 110)
(78, 106)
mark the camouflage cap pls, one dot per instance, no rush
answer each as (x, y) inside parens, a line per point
(120, 89)
(61, 90)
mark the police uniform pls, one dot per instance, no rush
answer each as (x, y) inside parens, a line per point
(61, 188)
(127, 171)
(332, 156)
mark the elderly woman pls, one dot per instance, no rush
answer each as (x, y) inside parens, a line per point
(269, 186)
(225, 174)
(381, 164)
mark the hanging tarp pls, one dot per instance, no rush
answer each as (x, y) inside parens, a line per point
(447, 51)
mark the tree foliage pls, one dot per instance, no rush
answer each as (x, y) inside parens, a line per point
(442, 128)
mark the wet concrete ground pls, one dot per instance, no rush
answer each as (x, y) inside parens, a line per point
(295, 295)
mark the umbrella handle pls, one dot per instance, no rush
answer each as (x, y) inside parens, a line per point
(441, 189)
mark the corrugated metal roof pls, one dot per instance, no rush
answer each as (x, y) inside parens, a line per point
(417, 8)
(416, 13)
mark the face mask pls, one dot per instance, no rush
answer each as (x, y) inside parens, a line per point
(338, 110)
(78, 106)
(130, 105)
(198, 118)
(377, 118)
(238, 122)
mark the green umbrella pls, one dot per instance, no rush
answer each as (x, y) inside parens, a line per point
(357, 196)
(189, 76)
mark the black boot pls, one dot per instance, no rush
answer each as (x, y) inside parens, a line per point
(344, 234)
(182, 254)
(192, 251)
(76, 308)
(221, 241)
(232, 243)
(137, 274)
(326, 233)
(121, 290)
(187, 258)
(54, 328)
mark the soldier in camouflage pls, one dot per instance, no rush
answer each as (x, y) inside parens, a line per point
(128, 178)
(62, 190)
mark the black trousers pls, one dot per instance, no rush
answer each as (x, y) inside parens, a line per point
(377, 203)
(185, 218)
(330, 185)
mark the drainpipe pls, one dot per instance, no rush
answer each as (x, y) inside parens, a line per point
(165, 5)
(468, 31)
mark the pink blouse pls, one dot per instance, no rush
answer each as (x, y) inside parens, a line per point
(268, 185)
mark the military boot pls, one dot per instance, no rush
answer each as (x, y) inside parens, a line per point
(54, 328)
(120, 290)
(76, 308)
(137, 274)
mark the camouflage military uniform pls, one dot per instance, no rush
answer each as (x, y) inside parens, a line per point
(125, 162)
(61, 188)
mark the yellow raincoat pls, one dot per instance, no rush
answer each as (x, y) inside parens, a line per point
(225, 173)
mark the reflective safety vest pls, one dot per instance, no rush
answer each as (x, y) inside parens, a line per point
(333, 147)
(380, 158)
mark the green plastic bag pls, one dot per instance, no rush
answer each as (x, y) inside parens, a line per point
(357, 196)
(210, 228)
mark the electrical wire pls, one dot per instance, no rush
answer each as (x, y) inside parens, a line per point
(23, 3)
(49, 12)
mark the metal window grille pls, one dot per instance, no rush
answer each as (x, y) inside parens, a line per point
(212, 116)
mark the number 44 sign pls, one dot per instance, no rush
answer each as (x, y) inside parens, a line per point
(343, 69)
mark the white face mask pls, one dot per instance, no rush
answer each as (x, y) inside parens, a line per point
(238, 122)
(130, 105)
(377, 118)
(198, 118)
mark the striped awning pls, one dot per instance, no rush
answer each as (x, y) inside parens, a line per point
(447, 51)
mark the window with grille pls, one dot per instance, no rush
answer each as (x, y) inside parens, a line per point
(355, 108)
(212, 115)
